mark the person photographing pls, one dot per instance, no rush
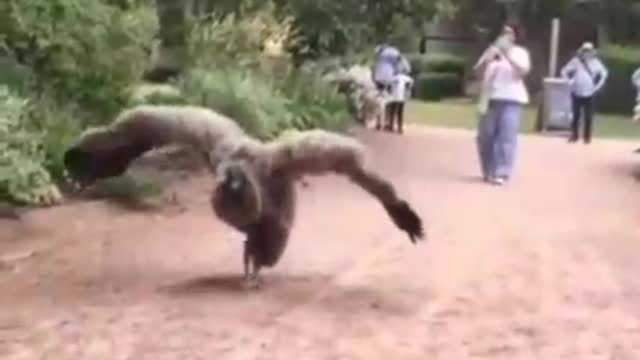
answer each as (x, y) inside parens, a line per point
(503, 94)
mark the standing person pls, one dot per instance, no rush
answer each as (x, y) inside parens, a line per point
(401, 86)
(385, 66)
(387, 61)
(505, 66)
(587, 75)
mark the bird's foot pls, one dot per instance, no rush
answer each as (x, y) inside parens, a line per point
(251, 282)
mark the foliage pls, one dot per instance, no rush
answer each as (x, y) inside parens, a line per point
(156, 94)
(264, 106)
(435, 86)
(242, 95)
(332, 27)
(313, 103)
(437, 62)
(437, 75)
(23, 177)
(239, 40)
(77, 47)
(618, 94)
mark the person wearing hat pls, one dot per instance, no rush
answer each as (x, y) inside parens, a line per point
(503, 66)
(587, 74)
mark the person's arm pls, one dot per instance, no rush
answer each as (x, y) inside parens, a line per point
(569, 69)
(604, 74)
(486, 57)
(485, 87)
(518, 59)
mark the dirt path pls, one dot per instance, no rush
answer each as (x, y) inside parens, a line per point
(545, 268)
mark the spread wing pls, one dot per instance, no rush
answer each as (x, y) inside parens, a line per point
(108, 151)
(317, 152)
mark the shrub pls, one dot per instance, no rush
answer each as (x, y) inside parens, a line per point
(57, 126)
(86, 50)
(435, 86)
(239, 40)
(156, 94)
(265, 106)
(23, 177)
(13, 74)
(242, 95)
(437, 63)
(314, 103)
(618, 94)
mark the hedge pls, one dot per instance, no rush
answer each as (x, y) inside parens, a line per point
(437, 63)
(437, 85)
(618, 94)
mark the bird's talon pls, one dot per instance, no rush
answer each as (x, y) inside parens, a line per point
(251, 283)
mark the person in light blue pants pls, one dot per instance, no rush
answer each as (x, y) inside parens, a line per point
(498, 139)
(503, 97)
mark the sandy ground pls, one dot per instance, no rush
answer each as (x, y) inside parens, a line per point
(544, 268)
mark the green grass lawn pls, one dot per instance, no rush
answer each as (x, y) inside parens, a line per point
(461, 113)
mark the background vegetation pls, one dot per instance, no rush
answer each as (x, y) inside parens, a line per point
(70, 64)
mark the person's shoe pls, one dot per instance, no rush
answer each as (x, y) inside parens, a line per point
(498, 181)
(573, 139)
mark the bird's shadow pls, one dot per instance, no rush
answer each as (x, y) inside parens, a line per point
(234, 283)
(319, 291)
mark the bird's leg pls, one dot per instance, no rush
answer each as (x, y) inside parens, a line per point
(256, 275)
(250, 269)
(245, 260)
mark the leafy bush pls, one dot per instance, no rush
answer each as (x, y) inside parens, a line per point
(156, 94)
(23, 177)
(57, 126)
(435, 86)
(242, 95)
(313, 103)
(239, 40)
(437, 63)
(618, 94)
(264, 106)
(87, 50)
(13, 74)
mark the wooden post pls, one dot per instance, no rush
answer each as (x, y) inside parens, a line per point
(553, 53)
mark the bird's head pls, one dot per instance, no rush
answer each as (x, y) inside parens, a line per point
(237, 194)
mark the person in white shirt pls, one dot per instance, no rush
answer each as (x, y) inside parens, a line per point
(504, 66)
(401, 86)
(587, 75)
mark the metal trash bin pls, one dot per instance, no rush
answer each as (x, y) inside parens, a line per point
(556, 109)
